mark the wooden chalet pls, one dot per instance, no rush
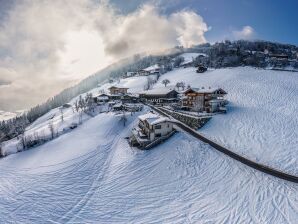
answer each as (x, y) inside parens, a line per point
(130, 98)
(159, 95)
(154, 69)
(114, 90)
(209, 100)
(101, 98)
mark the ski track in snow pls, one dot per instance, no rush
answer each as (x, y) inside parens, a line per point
(181, 181)
(91, 175)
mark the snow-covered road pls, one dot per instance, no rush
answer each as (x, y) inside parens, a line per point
(91, 175)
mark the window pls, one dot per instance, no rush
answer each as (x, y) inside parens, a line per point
(158, 135)
(157, 126)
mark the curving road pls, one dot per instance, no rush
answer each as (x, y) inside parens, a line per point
(250, 163)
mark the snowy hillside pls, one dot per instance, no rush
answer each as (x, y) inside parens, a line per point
(261, 122)
(92, 175)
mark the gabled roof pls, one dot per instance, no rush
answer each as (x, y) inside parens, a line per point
(150, 68)
(158, 91)
(101, 95)
(205, 90)
(118, 87)
(152, 118)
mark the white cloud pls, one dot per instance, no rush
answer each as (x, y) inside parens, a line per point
(246, 33)
(190, 27)
(46, 46)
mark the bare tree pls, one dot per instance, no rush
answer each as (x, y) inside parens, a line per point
(178, 60)
(123, 118)
(2, 154)
(165, 82)
(150, 82)
(180, 85)
(52, 129)
(77, 107)
(61, 114)
(23, 142)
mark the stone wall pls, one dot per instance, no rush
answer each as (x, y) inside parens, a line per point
(192, 121)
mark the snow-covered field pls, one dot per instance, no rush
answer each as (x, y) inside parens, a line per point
(91, 175)
(262, 121)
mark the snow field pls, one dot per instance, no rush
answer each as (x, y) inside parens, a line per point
(261, 122)
(91, 175)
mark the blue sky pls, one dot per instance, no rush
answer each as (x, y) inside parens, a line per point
(274, 20)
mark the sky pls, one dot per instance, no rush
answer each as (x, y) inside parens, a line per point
(46, 46)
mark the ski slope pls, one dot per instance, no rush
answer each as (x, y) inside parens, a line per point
(91, 175)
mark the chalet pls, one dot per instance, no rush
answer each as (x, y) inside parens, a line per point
(130, 74)
(154, 69)
(151, 127)
(130, 98)
(143, 73)
(133, 107)
(118, 106)
(159, 95)
(101, 98)
(210, 100)
(114, 90)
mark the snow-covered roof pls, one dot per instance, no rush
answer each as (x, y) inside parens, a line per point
(151, 68)
(189, 57)
(118, 105)
(205, 90)
(152, 118)
(132, 94)
(100, 95)
(158, 91)
(216, 100)
(103, 97)
(118, 87)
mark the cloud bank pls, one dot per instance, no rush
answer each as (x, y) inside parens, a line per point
(46, 46)
(246, 33)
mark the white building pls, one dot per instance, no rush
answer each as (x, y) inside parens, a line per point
(151, 127)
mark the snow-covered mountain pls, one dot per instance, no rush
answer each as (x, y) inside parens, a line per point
(92, 175)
